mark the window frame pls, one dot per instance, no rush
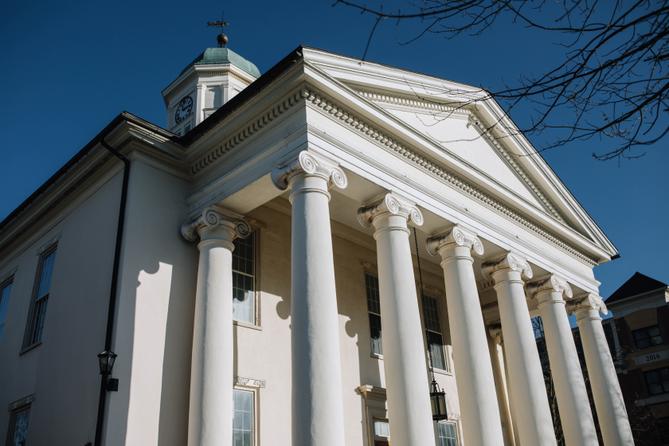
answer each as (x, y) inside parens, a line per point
(438, 436)
(444, 352)
(14, 409)
(255, 236)
(663, 384)
(6, 283)
(642, 335)
(29, 334)
(255, 433)
(374, 354)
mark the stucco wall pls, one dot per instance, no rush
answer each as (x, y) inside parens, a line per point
(62, 372)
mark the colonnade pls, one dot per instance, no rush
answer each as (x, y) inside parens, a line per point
(317, 398)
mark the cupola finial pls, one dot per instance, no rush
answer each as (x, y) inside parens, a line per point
(221, 38)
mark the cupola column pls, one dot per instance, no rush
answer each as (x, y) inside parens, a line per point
(473, 368)
(528, 397)
(608, 398)
(211, 386)
(572, 397)
(404, 359)
(317, 399)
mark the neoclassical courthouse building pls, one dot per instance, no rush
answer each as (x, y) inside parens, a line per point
(294, 262)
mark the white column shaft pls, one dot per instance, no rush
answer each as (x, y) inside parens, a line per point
(575, 414)
(317, 401)
(473, 369)
(611, 412)
(211, 386)
(404, 361)
(502, 387)
(526, 382)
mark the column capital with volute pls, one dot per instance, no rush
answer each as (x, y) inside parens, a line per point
(550, 289)
(391, 204)
(216, 223)
(456, 238)
(310, 164)
(589, 305)
(502, 269)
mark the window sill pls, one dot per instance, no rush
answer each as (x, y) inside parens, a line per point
(25, 350)
(375, 356)
(443, 372)
(247, 325)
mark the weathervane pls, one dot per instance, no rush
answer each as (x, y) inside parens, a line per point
(221, 38)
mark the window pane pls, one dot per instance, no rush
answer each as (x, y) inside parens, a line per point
(4, 304)
(447, 433)
(436, 345)
(373, 303)
(431, 314)
(243, 302)
(374, 309)
(46, 269)
(243, 280)
(19, 427)
(381, 429)
(243, 421)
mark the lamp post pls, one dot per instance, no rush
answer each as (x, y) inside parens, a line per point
(106, 361)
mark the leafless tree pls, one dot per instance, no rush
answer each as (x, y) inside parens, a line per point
(611, 84)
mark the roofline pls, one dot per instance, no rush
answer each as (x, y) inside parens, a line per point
(120, 118)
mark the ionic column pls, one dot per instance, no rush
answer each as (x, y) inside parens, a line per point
(317, 399)
(407, 387)
(473, 369)
(572, 397)
(608, 398)
(211, 385)
(526, 382)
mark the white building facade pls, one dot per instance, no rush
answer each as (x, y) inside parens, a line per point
(294, 261)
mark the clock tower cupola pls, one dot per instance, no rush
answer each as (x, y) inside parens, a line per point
(208, 82)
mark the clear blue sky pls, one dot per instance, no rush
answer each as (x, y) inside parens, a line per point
(69, 67)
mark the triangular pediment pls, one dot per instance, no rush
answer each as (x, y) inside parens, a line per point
(444, 115)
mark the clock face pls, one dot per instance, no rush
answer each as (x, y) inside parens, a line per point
(183, 110)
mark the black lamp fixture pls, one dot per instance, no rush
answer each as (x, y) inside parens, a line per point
(437, 395)
(106, 361)
(438, 400)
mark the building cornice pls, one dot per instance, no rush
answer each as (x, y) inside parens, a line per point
(380, 137)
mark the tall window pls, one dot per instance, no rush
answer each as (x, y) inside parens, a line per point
(374, 311)
(435, 340)
(447, 434)
(647, 336)
(5, 289)
(657, 381)
(18, 426)
(243, 424)
(40, 298)
(243, 280)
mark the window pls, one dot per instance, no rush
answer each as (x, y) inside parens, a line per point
(647, 337)
(18, 426)
(435, 341)
(374, 311)
(243, 424)
(381, 433)
(243, 280)
(447, 433)
(657, 381)
(5, 290)
(40, 298)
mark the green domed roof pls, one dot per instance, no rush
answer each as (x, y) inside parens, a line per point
(212, 56)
